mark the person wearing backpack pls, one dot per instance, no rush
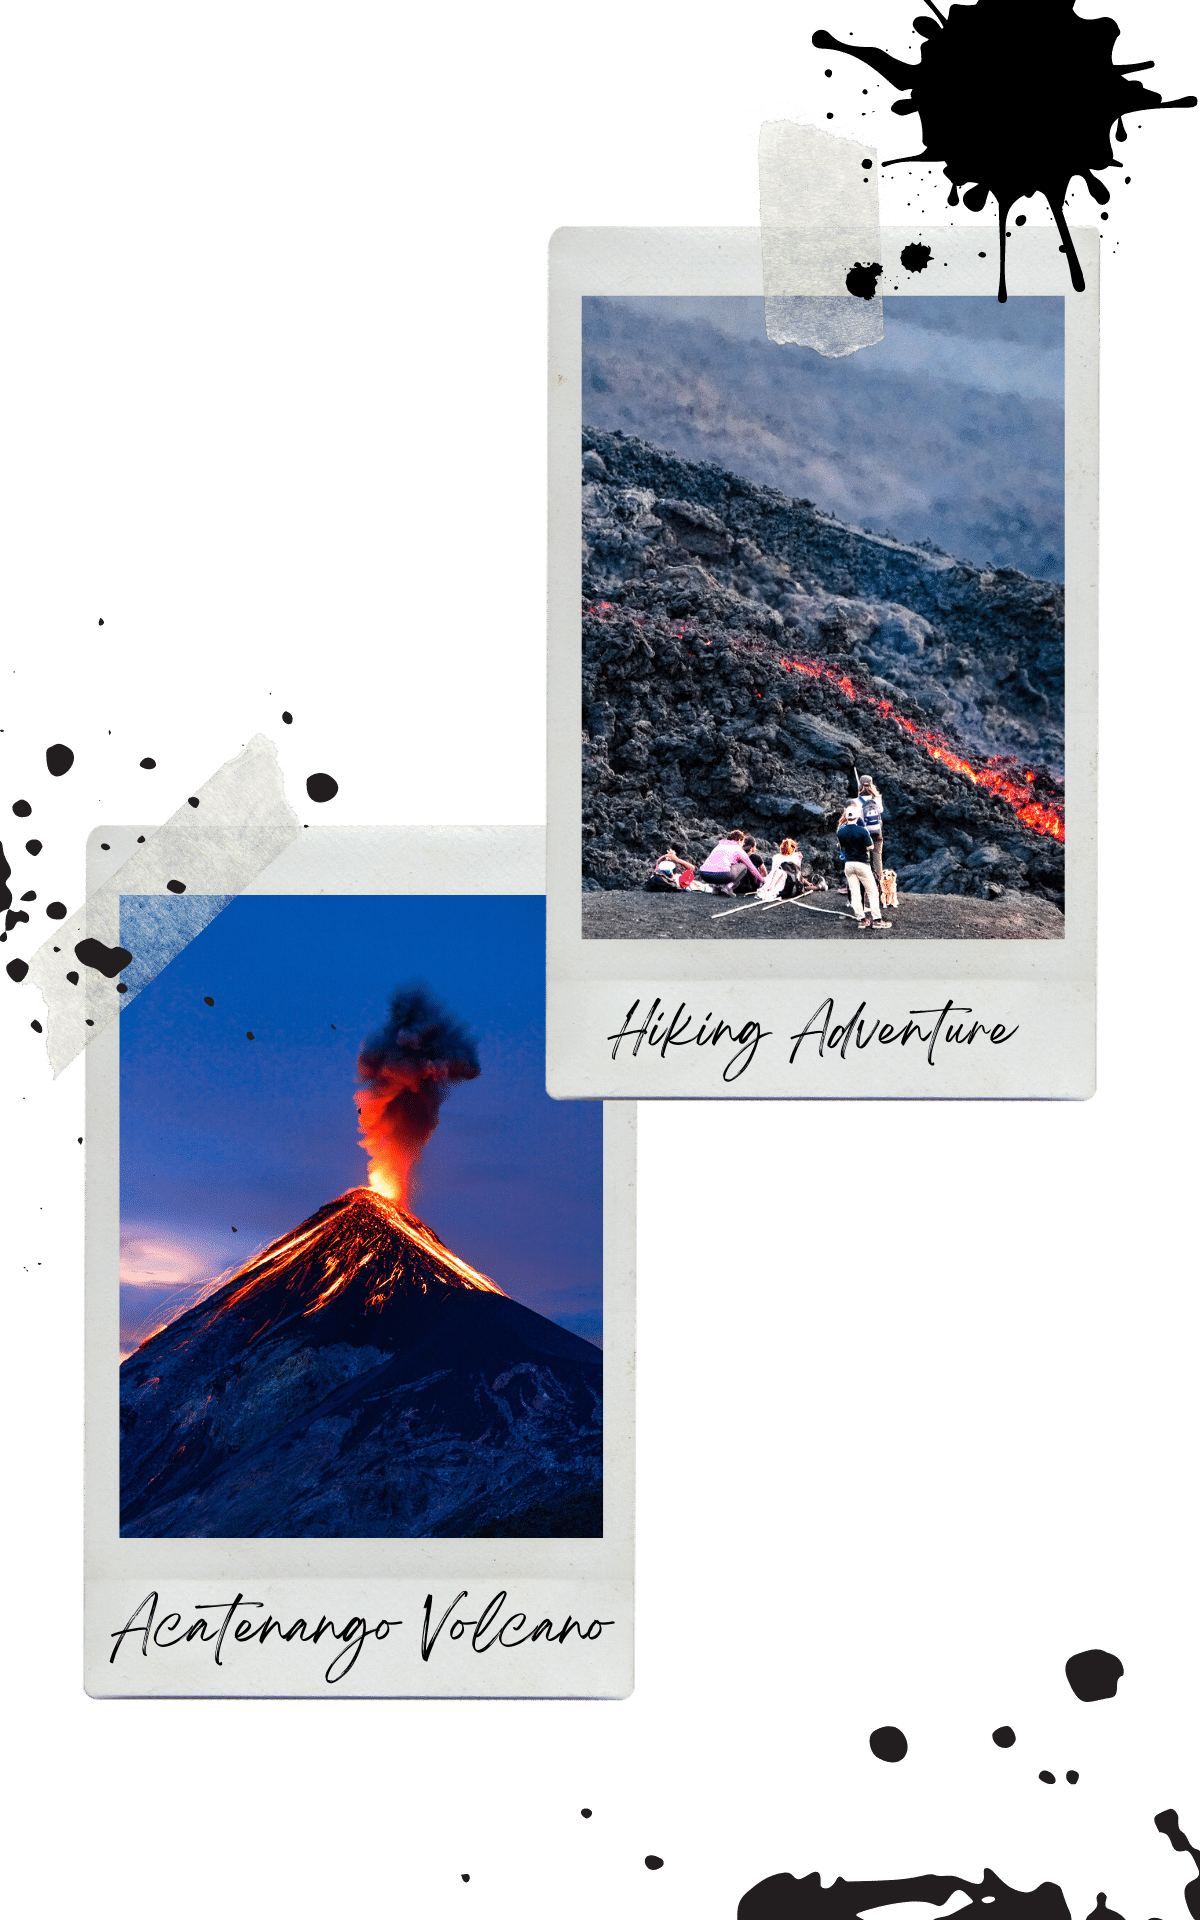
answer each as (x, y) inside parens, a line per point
(854, 845)
(871, 801)
(783, 882)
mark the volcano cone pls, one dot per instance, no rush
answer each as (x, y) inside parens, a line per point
(357, 1379)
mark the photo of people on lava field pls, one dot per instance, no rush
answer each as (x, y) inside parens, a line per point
(823, 624)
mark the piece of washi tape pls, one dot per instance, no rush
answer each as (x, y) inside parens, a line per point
(220, 839)
(819, 208)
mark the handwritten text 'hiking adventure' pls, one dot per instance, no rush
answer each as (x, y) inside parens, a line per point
(931, 1028)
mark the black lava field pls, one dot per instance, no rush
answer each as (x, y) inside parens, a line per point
(743, 652)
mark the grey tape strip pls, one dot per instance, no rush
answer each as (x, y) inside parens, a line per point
(241, 823)
(819, 208)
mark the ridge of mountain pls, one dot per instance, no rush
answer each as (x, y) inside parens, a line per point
(357, 1378)
(703, 594)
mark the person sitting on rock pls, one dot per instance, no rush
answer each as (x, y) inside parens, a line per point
(854, 843)
(671, 874)
(871, 802)
(729, 867)
(784, 882)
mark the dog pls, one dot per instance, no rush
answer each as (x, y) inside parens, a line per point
(889, 887)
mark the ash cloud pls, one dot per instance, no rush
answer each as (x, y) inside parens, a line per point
(408, 1068)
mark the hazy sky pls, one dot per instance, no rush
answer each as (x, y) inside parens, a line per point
(218, 1131)
(950, 428)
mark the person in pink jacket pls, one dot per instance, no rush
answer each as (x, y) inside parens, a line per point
(729, 867)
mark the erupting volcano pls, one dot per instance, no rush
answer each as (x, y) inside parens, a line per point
(356, 1378)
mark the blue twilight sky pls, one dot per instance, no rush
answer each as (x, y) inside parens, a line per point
(218, 1131)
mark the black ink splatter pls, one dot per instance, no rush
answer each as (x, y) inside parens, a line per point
(22, 809)
(16, 970)
(34, 847)
(1014, 140)
(784, 1898)
(5, 873)
(59, 759)
(1168, 1822)
(287, 719)
(653, 1862)
(1047, 1777)
(888, 1743)
(121, 987)
(31, 895)
(73, 977)
(141, 840)
(1004, 1737)
(1102, 1910)
(209, 1001)
(249, 1036)
(585, 1813)
(1094, 1675)
(148, 764)
(321, 786)
(104, 847)
(14, 917)
(105, 960)
(176, 886)
(56, 910)
(861, 280)
(192, 800)
(1072, 1777)
(36, 1025)
(915, 257)
(466, 1876)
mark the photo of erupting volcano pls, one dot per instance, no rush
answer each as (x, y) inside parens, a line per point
(823, 624)
(362, 1373)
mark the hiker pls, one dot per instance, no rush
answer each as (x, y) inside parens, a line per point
(728, 867)
(870, 802)
(854, 843)
(671, 874)
(784, 882)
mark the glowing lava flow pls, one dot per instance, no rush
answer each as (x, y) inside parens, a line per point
(363, 1229)
(996, 777)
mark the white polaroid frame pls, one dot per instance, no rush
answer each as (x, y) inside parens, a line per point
(373, 1592)
(637, 1018)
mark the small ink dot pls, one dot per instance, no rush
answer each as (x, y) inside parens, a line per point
(888, 1743)
(1072, 1778)
(1004, 1737)
(1104, 216)
(192, 800)
(33, 846)
(121, 987)
(829, 116)
(73, 977)
(141, 839)
(22, 809)
(59, 759)
(332, 1028)
(31, 895)
(209, 1001)
(1047, 1777)
(56, 911)
(585, 1813)
(466, 1876)
(148, 764)
(829, 73)
(653, 1862)
(89, 1023)
(176, 886)
(16, 970)
(287, 719)
(81, 1136)
(320, 787)
(104, 847)
(233, 1229)
(102, 623)
(868, 163)
(1128, 179)
(37, 1027)
(983, 256)
(249, 1035)
(1020, 219)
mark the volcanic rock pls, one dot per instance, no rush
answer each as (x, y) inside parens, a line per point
(357, 1379)
(742, 651)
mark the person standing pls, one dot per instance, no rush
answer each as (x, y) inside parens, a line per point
(871, 801)
(854, 845)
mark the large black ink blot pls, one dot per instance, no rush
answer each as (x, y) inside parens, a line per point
(1016, 97)
(1094, 1675)
(320, 787)
(861, 280)
(783, 1898)
(105, 960)
(1168, 1822)
(59, 759)
(888, 1743)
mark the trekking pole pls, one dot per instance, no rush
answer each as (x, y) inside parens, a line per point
(838, 913)
(725, 911)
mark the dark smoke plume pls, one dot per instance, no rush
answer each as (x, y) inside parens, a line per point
(408, 1068)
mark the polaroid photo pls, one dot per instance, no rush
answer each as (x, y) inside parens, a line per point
(360, 1295)
(828, 622)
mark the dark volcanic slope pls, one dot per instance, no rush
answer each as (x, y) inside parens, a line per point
(357, 1379)
(699, 586)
